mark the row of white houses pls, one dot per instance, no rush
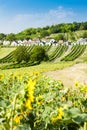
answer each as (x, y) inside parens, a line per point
(42, 42)
(29, 42)
(81, 41)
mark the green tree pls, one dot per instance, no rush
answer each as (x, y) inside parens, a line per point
(54, 29)
(10, 37)
(21, 54)
(83, 26)
(38, 54)
(44, 33)
(2, 36)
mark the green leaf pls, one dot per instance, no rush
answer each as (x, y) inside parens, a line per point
(70, 114)
(80, 118)
(74, 112)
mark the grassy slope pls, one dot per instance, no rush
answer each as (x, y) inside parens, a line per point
(44, 67)
(5, 51)
(76, 34)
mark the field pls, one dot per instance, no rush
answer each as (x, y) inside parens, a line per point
(5, 51)
(48, 96)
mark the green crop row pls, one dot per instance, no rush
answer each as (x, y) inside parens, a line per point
(60, 49)
(75, 52)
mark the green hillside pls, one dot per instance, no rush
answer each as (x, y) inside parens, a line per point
(5, 51)
(63, 31)
(60, 53)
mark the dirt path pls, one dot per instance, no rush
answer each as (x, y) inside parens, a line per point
(71, 74)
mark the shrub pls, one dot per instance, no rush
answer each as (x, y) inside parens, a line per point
(21, 54)
(38, 54)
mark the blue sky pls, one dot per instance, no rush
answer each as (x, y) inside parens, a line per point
(17, 15)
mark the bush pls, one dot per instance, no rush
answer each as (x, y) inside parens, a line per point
(38, 54)
(21, 54)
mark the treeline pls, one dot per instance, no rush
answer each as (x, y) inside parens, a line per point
(46, 31)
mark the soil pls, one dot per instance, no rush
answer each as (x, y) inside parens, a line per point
(70, 75)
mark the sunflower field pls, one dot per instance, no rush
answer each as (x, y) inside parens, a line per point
(40, 103)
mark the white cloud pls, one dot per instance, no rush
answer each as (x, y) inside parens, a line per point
(21, 21)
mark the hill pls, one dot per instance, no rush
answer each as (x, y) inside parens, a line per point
(63, 31)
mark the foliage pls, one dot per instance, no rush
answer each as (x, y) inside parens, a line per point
(38, 54)
(44, 33)
(40, 103)
(27, 54)
(60, 37)
(58, 52)
(84, 35)
(19, 65)
(10, 37)
(54, 29)
(31, 33)
(21, 54)
(11, 57)
(2, 36)
(32, 55)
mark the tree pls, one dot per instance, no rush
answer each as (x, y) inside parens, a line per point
(2, 36)
(38, 54)
(83, 26)
(54, 29)
(10, 37)
(44, 33)
(21, 54)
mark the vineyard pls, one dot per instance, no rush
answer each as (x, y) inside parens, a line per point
(58, 52)
(54, 52)
(76, 51)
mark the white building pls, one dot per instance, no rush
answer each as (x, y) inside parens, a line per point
(82, 41)
(5, 43)
(14, 43)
